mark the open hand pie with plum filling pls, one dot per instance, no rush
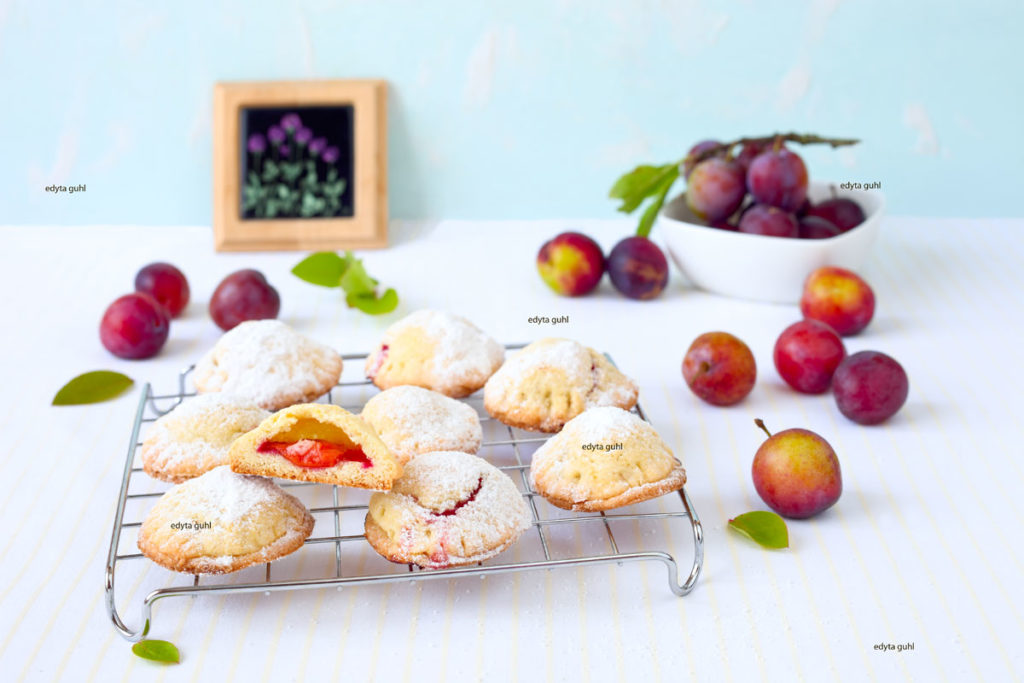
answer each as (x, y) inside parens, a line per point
(317, 442)
(221, 522)
(551, 381)
(604, 459)
(447, 509)
(270, 363)
(434, 350)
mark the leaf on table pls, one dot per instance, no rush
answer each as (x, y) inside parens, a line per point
(328, 269)
(157, 651)
(92, 387)
(765, 528)
(356, 281)
(372, 304)
(323, 268)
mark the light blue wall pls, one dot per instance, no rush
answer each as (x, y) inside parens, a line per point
(514, 109)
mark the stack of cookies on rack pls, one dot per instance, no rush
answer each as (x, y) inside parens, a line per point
(255, 419)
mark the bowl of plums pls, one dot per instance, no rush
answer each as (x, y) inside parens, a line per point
(751, 224)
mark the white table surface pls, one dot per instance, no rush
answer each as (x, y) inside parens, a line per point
(923, 547)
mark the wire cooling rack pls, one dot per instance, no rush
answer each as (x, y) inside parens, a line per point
(338, 510)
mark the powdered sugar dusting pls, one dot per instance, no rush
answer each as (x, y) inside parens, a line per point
(609, 423)
(224, 497)
(267, 361)
(462, 347)
(412, 420)
(452, 506)
(564, 354)
(196, 436)
(601, 454)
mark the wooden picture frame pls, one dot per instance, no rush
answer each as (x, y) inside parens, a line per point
(244, 219)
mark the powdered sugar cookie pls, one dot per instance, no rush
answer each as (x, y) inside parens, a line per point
(551, 381)
(412, 420)
(447, 509)
(434, 350)
(221, 522)
(317, 442)
(195, 437)
(604, 458)
(270, 363)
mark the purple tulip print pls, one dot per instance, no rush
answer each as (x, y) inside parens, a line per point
(291, 122)
(294, 165)
(257, 144)
(276, 135)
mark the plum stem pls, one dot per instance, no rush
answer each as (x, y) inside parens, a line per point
(667, 175)
(775, 140)
(760, 423)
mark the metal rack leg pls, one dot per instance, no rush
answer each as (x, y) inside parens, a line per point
(526, 485)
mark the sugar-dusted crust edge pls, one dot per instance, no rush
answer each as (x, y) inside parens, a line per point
(149, 452)
(376, 413)
(379, 541)
(521, 416)
(208, 377)
(284, 545)
(673, 481)
(244, 458)
(451, 389)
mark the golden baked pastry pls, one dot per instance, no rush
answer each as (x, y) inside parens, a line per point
(551, 381)
(221, 522)
(447, 509)
(604, 458)
(270, 363)
(196, 435)
(412, 420)
(316, 442)
(434, 350)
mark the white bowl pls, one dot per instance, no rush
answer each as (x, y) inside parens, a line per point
(764, 268)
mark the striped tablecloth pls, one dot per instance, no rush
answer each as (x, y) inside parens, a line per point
(920, 550)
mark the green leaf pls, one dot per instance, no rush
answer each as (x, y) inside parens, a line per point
(372, 304)
(92, 387)
(639, 184)
(765, 528)
(323, 268)
(356, 281)
(652, 210)
(157, 651)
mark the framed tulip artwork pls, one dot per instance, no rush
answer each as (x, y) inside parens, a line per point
(300, 165)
